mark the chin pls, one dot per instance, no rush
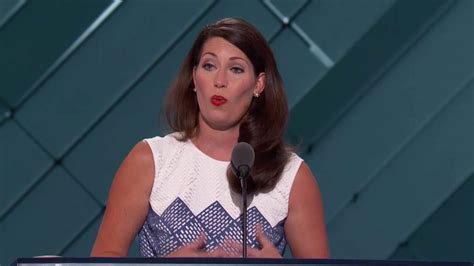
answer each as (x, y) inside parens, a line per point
(222, 124)
(220, 121)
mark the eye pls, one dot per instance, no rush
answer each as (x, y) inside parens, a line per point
(208, 66)
(237, 70)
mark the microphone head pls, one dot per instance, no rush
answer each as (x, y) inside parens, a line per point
(243, 157)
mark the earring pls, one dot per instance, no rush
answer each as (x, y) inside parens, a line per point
(194, 89)
(256, 94)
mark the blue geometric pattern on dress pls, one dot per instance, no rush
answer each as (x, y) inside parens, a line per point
(161, 235)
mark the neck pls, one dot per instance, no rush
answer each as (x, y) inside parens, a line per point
(217, 144)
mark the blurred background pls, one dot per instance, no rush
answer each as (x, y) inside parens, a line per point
(382, 109)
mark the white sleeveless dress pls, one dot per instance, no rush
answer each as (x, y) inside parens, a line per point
(191, 195)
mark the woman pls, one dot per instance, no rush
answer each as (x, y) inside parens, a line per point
(178, 192)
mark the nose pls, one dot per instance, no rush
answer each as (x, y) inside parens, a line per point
(220, 80)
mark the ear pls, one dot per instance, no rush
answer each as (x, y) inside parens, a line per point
(194, 76)
(260, 86)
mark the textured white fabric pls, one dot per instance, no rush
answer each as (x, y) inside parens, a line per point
(183, 171)
(191, 196)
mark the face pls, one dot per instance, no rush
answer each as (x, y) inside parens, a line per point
(225, 84)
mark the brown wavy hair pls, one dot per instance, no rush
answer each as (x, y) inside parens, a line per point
(263, 125)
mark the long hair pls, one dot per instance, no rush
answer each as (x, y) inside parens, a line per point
(262, 126)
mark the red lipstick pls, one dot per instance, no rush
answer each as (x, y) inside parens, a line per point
(218, 100)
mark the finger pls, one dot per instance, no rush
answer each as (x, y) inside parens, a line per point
(231, 243)
(220, 252)
(262, 237)
(200, 242)
(232, 247)
(235, 248)
(253, 252)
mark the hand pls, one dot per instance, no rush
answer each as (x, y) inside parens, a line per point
(268, 250)
(197, 249)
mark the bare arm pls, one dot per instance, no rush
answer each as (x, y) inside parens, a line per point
(128, 203)
(305, 228)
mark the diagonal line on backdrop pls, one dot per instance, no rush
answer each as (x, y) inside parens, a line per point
(285, 20)
(371, 83)
(313, 46)
(42, 176)
(135, 82)
(100, 118)
(314, 49)
(414, 249)
(405, 143)
(7, 114)
(24, 193)
(78, 235)
(276, 12)
(380, 72)
(11, 14)
(69, 52)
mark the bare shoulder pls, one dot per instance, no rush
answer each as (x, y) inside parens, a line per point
(304, 176)
(305, 226)
(304, 188)
(141, 154)
(127, 204)
(136, 173)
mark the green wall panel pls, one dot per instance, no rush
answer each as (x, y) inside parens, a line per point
(4, 113)
(48, 219)
(82, 246)
(451, 223)
(8, 8)
(288, 8)
(253, 11)
(337, 34)
(27, 52)
(403, 253)
(100, 72)
(135, 118)
(412, 186)
(393, 110)
(448, 235)
(22, 164)
(300, 71)
(369, 58)
(354, 154)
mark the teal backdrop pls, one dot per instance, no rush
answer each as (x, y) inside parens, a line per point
(382, 109)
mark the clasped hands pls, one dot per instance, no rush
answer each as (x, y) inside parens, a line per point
(229, 248)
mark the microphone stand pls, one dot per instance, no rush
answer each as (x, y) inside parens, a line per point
(243, 183)
(242, 160)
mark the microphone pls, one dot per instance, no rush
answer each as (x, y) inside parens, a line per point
(241, 162)
(242, 159)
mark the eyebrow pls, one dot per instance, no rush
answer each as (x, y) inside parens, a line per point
(231, 58)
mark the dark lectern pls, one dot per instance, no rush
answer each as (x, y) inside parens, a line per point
(63, 261)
